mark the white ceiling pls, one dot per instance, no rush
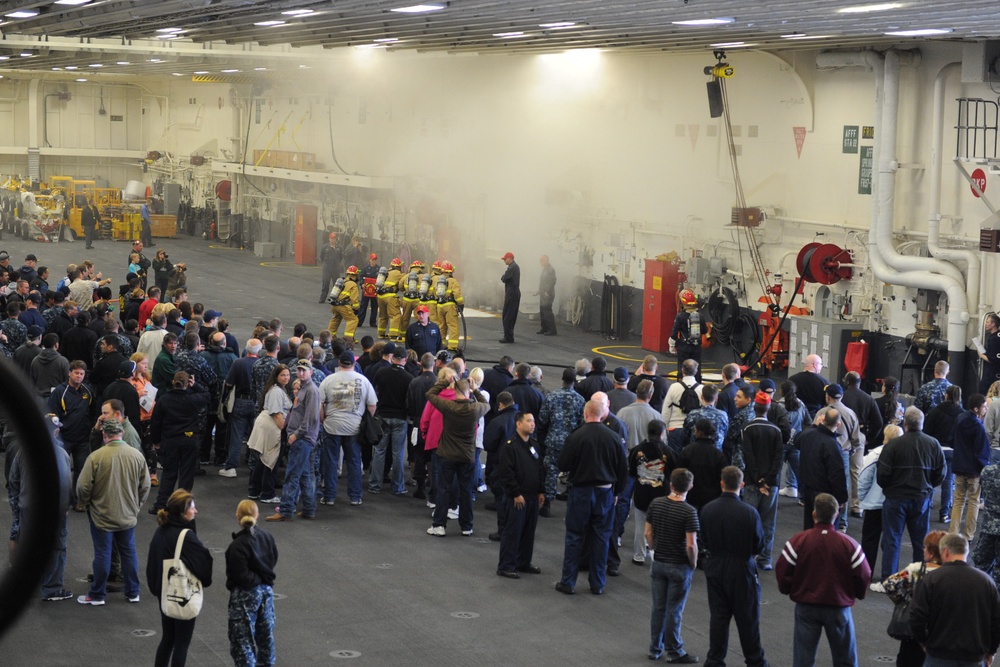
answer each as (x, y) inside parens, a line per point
(220, 34)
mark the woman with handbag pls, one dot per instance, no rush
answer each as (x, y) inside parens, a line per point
(899, 587)
(175, 519)
(250, 561)
(265, 439)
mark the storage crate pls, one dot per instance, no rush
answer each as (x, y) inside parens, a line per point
(163, 225)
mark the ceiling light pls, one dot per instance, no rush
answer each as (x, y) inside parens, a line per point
(386, 40)
(202, 71)
(26, 54)
(303, 66)
(22, 14)
(123, 62)
(417, 9)
(368, 46)
(728, 44)
(170, 36)
(4, 57)
(229, 71)
(82, 80)
(557, 25)
(170, 30)
(269, 24)
(864, 9)
(71, 67)
(57, 69)
(72, 2)
(260, 69)
(799, 36)
(96, 65)
(297, 12)
(176, 73)
(716, 21)
(155, 60)
(921, 32)
(508, 35)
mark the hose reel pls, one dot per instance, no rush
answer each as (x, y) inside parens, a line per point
(824, 263)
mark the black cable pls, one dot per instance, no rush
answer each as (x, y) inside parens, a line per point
(781, 324)
(246, 147)
(333, 151)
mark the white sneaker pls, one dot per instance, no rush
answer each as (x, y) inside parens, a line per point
(789, 492)
(227, 472)
(436, 531)
(453, 514)
(482, 488)
(877, 587)
(431, 505)
(467, 533)
(270, 501)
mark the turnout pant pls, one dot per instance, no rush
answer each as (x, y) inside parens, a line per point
(344, 314)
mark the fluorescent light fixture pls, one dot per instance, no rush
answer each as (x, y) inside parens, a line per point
(229, 71)
(557, 25)
(71, 67)
(26, 54)
(123, 62)
(419, 9)
(921, 32)
(82, 80)
(72, 3)
(202, 71)
(297, 12)
(22, 14)
(802, 36)
(728, 44)
(155, 60)
(57, 69)
(170, 30)
(386, 40)
(260, 69)
(96, 65)
(177, 74)
(269, 24)
(170, 36)
(303, 66)
(4, 57)
(864, 9)
(509, 35)
(696, 22)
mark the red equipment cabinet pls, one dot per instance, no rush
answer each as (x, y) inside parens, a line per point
(660, 304)
(306, 217)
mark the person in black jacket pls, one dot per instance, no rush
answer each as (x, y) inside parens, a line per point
(522, 476)
(940, 424)
(511, 280)
(106, 371)
(175, 431)
(499, 431)
(250, 561)
(495, 380)
(415, 400)
(178, 515)
(526, 395)
(821, 465)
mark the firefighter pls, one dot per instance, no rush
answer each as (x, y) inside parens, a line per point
(388, 300)
(345, 299)
(369, 297)
(428, 297)
(409, 289)
(449, 305)
(687, 330)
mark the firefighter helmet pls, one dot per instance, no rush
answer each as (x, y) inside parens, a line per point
(396, 261)
(352, 270)
(416, 264)
(447, 267)
(688, 298)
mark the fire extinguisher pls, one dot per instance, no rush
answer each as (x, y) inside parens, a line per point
(211, 232)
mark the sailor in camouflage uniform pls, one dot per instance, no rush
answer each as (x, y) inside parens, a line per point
(561, 414)
(719, 419)
(250, 561)
(932, 393)
(733, 444)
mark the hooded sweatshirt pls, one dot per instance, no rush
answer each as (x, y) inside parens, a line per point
(49, 369)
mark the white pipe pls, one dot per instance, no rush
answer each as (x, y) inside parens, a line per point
(887, 184)
(934, 218)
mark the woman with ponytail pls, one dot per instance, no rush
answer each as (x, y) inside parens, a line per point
(250, 561)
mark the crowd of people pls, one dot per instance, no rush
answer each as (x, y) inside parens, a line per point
(145, 406)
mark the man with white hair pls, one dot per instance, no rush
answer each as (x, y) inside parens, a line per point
(810, 385)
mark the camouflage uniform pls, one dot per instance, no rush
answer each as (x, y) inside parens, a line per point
(713, 414)
(259, 374)
(124, 347)
(561, 414)
(50, 314)
(986, 555)
(194, 364)
(930, 394)
(318, 376)
(251, 626)
(733, 447)
(16, 332)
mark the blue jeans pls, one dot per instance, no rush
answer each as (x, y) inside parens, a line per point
(52, 577)
(844, 507)
(792, 459)
(299, 479)
(947, 485)
(767, 507)
(447, 472)
(125, 539)
(671, 583)
(675, 440)
(622, 507)
(813, 619)
(589, 509)
(239, 419)
(915, 515)
(394, 434)
(330, 462)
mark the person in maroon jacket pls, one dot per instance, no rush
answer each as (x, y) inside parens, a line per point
(823, 571)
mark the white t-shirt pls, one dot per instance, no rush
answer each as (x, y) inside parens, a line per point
(672, 414)
(346, 395)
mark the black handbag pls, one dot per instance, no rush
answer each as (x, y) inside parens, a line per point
(371, 429)
(899, 624)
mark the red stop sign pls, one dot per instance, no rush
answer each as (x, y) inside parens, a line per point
(979, 178)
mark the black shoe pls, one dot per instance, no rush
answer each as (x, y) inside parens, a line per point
(597, 591)
(509, 574)
(505, 341)
(541, 332)
(562, 496)
(419, 494)
(614, 572)
(686, 659)
(201, 471)
(563, 588)
(530, 569)
(549, 333)
(490, 507)
(494, 537)
(945, 518)
(857, 514)
(545, 511)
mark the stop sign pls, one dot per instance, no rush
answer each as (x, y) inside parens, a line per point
(979, 178)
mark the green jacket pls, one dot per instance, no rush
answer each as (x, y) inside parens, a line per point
(113, 485)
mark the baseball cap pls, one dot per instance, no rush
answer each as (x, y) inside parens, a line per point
(399, 352)
(111, 425)
(507, 255)
(388, 348)
(346, 358)
(126, 369)
(31, 258)
(373, 256)
(4, 255)
(423, 309)
(34, 297)
(621, 374)
(303, 363)
(212, 314)
(766, 385)
(333, 235)
(834, 390)
(34, 331)
(444, 356)
(762, 398)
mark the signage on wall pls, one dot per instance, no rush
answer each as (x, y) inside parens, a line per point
(849, 144)
(979, 178)
(800, 138)
(868, 132)
(865, 170)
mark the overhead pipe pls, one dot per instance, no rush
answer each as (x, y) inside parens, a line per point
(934, 218)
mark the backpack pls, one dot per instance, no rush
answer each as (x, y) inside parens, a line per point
(689, 399)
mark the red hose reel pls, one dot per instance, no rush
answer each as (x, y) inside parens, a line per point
(824, 263)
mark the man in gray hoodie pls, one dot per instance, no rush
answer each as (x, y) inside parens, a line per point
(49, 369)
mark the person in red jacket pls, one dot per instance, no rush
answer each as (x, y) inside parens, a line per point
(823, 571)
